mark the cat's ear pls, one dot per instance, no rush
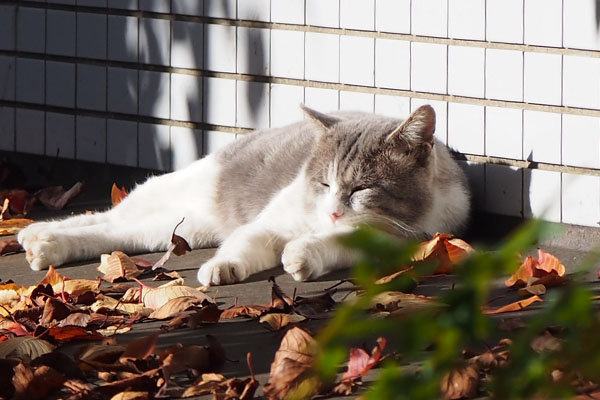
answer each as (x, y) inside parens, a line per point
(417, 129)
(323, 120)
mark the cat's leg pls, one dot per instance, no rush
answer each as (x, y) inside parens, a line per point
(313, 255)
(249, 249)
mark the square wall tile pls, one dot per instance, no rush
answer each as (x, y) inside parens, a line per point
(186, 97)
(581, 25)
(543, 76)
(392, 16)
(186, 45)
(159, 6)
(581, 82)
(357, 14)
(121, 142)
(542, 194)
(91, 87)
(8, 17)
(91, 35)
(61, 33)
(322, 100)
(466, 19)
(466, 128)
(218, 101)
(31, 29)
(285, 104)
(581, 199)
(542, 136)
(122, 38)
(581, 141)
(504, 74)
(220, 8)
(30, 131)
(122, 90)
(90, 139)
(154, 146)
(441, 116)
(153, 94)
(543, 22)
(219, 48)
(430, 18)
(287, 11)
(323, 13)
(252, 105)
(357, 60)
(30, 80)
(186, 146)
(322, 57)
(475, 173)
(154, 41)
(504, 132)
(60, 135)
(253, 51)
(466, 71)
(7, 78)
(215, 140)
(503, 190)
(287, 54)
(7, 128)
(392, 64)
(254, 10)
(188, 7)
(504, 22)
(392, 106)
(428, 67)
(125, 4)
(356, 101)
(60, 84)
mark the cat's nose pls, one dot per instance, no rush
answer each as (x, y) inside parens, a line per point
(336, 215)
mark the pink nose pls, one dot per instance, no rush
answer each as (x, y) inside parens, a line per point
(336, 215)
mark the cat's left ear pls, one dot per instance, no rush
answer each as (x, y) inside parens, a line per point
(417, 129)
(323, 120)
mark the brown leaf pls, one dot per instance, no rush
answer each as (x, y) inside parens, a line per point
(54, 310)
(316, 306)
(10, 246)
(56, 198)
(75, 287)
(35, 384)
(445, 250)
(179, 246)
(547, 270)
(120, 267)
(140, 349)
(294, 357)
(167, 276)
(155, 298)
(546, 343)
(277, 321)
(461, 383)
(175, 306)
(17, 200)
(13, 226)
(516, 306)
(535, 289)
(117, 194)
(391, 277)
(68, 333)
(136, 383)
(52, 277)
(194, 358)
(401, 303)
(61, 363)
(130, 395)
(252, 311)
(99, 354)
(24, 348)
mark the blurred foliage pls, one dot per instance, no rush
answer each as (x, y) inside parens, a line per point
(428, 343)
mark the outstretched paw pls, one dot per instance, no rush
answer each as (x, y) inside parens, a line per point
(221, 272)
(301, 261)
(42, 248)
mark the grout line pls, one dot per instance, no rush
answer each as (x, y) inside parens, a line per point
(336, 31)
(308, 83)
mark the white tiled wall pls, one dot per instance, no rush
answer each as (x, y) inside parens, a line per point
(156, 84)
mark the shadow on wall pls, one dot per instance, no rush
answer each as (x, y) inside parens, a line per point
(597, 6)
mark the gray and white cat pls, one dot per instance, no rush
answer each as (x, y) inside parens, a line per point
(279, 196)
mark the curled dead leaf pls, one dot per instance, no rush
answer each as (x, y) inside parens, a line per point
(460, 383)
(277, 321)
(444, 249)
(10, 246)
(155, 298)
(35, 384)
(516, 306)
(56, 198)
(24, 348)
(401, 303)
(546, 270)
(176, 305)
(13, 226)
(117, 194)
(119, 267)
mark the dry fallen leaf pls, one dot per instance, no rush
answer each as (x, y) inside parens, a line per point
(35, 384)
(24, 348)
(56, 198)
(140, 349)
(444, 249)
(400, 303)
(119, 267)
(117, 194)
(179, 246)
(277, 321)
(10, 246)
(131, 395)
(155, 298)
(460, 383)
(13, 226)
(516, 306)
(546, 269)
(175, 306)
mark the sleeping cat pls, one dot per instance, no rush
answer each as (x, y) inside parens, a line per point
(279, 196)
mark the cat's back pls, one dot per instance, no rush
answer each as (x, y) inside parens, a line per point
(257, 166)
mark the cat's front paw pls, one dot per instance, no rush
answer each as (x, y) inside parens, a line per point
(301, 260)
(42, 248)
(221, 272)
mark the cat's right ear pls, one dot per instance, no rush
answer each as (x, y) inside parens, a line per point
(323, 120)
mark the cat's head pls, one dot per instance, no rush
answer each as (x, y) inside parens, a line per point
(374, 170)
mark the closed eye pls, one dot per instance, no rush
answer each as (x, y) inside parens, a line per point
(358, 189)
(324, 184)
